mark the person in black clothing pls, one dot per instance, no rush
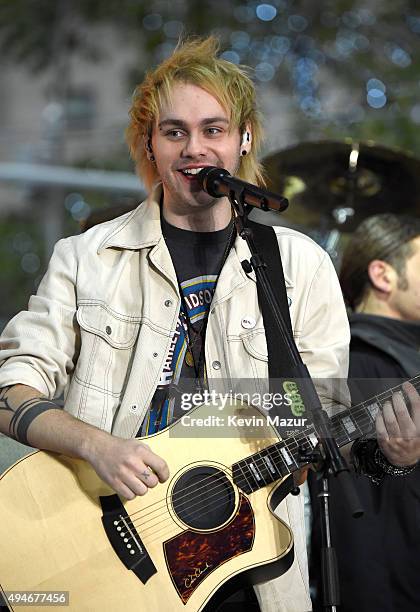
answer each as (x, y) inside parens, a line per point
(379, 554)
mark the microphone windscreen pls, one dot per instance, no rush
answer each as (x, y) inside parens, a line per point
(209, 178)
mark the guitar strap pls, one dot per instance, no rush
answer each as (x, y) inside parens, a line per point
(282, 371)
(279, 362)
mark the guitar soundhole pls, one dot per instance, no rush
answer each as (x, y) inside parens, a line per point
(203, 498)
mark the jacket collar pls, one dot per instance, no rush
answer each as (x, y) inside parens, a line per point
(139, 229)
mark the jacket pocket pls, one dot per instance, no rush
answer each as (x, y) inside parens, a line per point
(118, 330)
(255, 345)
(107, 342)
(250, 362)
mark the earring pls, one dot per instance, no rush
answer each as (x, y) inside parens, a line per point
(245, 140)
(149, 150)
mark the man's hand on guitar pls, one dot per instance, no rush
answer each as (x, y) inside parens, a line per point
(398, 431)
(128, 466)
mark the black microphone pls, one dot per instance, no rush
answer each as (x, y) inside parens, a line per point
(218, 183)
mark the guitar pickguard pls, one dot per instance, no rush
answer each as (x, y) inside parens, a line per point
(192, 555)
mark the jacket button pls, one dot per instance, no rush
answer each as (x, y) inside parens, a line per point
(168, 303)
(216, 365)
(108, 330)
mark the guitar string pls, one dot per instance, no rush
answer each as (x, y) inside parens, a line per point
(208, 478)
(358, 409)
(288, 446)
(149, 538)
(361, 409)
(193, 487)
(226, 469)
(197, 505)
(174, 528)
(214, 501)
(220, 485)
(217, 498)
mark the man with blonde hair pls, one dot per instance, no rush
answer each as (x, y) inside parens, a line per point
(132, 306)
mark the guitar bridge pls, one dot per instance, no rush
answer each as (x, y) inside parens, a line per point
(124, 538)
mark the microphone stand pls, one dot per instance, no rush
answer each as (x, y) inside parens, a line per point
(326, 455)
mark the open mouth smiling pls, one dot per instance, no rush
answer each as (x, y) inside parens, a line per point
(191, 173)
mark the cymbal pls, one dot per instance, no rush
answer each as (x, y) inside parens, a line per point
(338, 184)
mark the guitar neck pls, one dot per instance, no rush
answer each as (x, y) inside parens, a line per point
(359, 420)
(285, 457)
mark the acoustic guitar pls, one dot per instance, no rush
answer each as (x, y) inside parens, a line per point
(185, 543)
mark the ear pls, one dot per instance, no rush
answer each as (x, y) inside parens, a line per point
(149, 149)
(246, 140)
(382, 276)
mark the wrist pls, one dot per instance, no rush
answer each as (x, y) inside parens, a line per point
(363, 459)
(369, 460)
(390, 468)
(92, 443)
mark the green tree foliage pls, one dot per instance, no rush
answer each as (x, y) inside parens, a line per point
(305, 47)
(351, 68)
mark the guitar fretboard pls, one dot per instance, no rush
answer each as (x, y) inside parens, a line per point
(285, 457)
(274, 462)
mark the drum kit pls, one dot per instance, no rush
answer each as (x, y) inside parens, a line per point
(332, 186)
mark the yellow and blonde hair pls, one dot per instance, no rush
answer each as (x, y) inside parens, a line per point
(195, 61)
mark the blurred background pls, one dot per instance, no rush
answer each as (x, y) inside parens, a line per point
(338, 83)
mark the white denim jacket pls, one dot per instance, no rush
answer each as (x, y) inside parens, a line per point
(100, 327)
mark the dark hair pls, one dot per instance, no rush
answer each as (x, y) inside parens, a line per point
(386, 237)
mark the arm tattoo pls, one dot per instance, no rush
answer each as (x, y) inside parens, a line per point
(25, 414)
(4, 400)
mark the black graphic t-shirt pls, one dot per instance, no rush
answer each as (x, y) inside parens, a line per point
(197, 258)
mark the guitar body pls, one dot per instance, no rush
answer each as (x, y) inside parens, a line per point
(185, 538)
